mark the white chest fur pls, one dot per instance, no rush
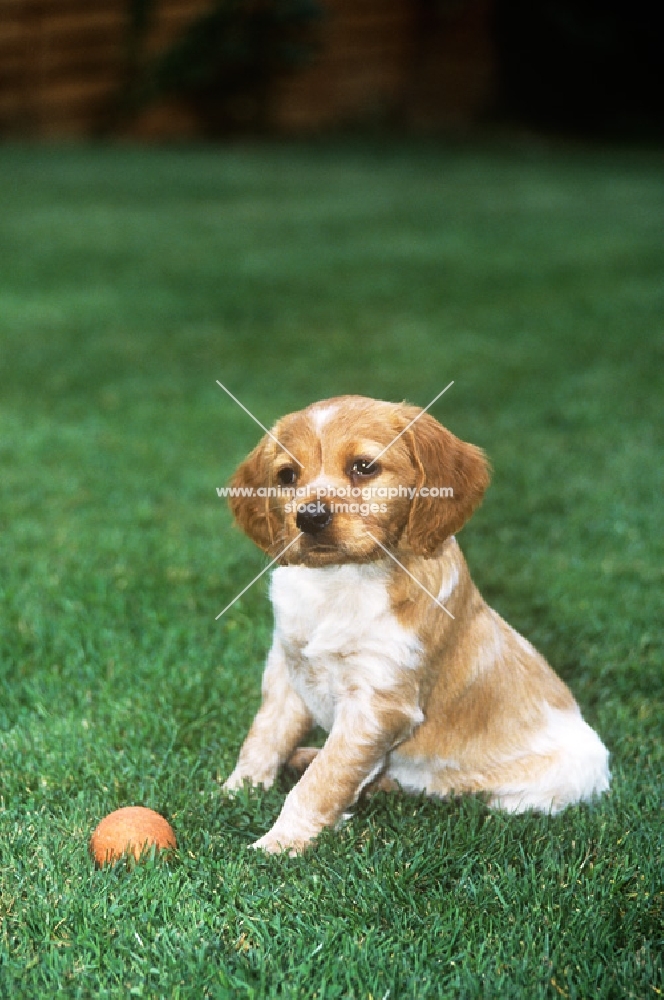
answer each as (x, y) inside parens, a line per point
(339, 635)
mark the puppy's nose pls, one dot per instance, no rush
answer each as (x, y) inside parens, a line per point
(313, 517)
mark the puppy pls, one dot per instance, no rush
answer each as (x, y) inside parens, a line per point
(380, 635)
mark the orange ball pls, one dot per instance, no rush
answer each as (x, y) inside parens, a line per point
(130, 830)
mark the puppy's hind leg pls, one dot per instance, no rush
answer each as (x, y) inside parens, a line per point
(302, 758)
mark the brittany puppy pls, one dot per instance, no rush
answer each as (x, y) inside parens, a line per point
(382, 638)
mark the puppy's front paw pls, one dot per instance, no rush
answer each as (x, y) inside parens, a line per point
(238, 779)
(275, 843)
(233, 783)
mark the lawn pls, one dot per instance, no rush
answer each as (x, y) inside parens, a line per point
(131, 280)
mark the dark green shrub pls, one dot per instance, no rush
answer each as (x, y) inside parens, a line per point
(225, 62)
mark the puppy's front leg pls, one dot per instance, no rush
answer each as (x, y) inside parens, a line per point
(281, 722)
(353, 755)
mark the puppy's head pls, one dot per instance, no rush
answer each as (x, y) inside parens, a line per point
(349, 475)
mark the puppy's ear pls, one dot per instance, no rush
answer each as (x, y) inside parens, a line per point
(253, 513)
(442, 460)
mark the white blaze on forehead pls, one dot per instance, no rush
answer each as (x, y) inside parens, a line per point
(321, 414)
(320, 486)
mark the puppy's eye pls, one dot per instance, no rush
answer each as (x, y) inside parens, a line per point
(287, 476)
(364, 468)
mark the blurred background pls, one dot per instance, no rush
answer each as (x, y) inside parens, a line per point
(183, 69)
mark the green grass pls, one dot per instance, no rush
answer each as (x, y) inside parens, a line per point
(131, 280)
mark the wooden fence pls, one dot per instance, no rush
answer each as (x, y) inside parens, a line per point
(62, 61)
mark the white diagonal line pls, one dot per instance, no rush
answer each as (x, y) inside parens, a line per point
(420, 585)
(421, 413)
(256, 420)
(276, 558)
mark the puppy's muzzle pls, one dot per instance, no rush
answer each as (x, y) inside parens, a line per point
(312, 518)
